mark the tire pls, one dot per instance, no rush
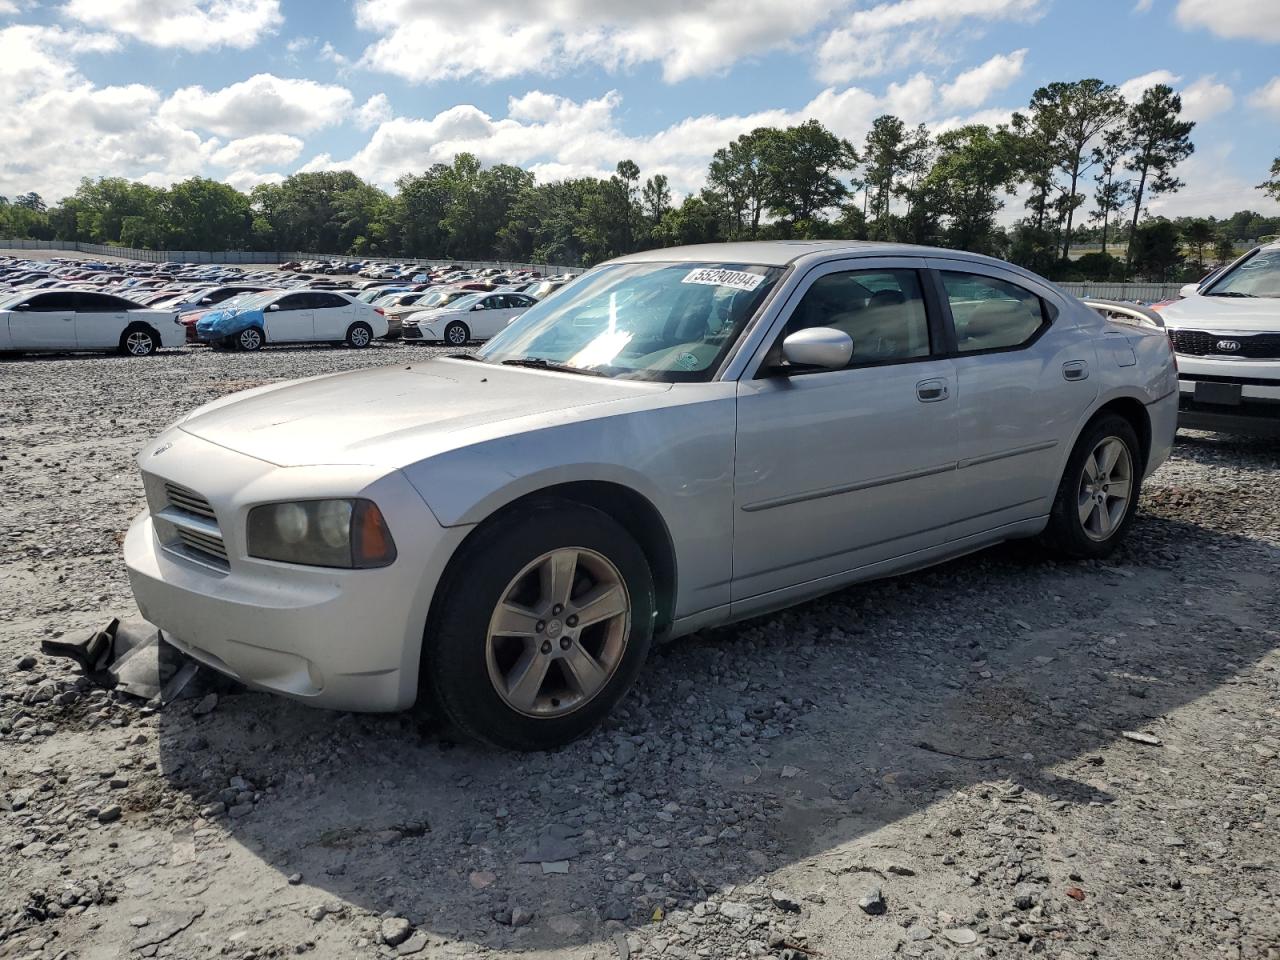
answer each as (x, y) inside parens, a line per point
(456, 334)
(359, 335)
(469, 669)
(139, 341)
(1088, 520)
(249, 339)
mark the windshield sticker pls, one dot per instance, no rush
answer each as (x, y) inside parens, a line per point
(714, 277)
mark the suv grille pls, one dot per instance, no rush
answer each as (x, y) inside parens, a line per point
(1198, 343)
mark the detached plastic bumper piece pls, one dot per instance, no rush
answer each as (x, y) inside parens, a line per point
(131, 656)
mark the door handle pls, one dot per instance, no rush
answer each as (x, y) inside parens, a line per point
(931, 391)
(1075, 370)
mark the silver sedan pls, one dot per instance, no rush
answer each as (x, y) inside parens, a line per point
(678, 439)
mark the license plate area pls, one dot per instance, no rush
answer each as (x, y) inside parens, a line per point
(1222, 394)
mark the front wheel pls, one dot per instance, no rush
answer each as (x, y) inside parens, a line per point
(1098, 495)
(359, 335)
(250, 338)
(543, 625)
(457, 333)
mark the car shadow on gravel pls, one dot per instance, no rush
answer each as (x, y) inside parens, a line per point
(744, 750)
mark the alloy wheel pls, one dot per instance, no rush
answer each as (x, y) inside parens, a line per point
(250, 339)
(139, 344)
(1106, 487)
(558, 633)
(359, 337)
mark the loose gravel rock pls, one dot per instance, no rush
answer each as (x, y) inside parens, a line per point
(959, 739)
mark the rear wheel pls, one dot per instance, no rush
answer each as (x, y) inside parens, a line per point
(138, 342)
(457, 333)
(359, 335)
(1098, 495)
(250, 339)
(543, 625)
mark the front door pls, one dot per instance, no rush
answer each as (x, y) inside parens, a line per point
(292, 320)
(840, 469)
(48, 322)
(1024, 370)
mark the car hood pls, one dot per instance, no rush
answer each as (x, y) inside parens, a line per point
(1234, 314)
(394, 416)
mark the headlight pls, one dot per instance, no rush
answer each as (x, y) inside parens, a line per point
(322, 533)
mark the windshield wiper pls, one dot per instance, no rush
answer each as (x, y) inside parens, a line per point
(539, 363)
(1232, 293)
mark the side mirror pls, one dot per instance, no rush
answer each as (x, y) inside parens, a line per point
(206, 300)
(478, 306)
(823, 347)
(273, 306)
(1189, 290)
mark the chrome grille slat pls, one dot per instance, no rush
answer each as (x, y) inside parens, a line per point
(188, 500)
(190, 526)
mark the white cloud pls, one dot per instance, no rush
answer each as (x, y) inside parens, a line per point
(1134, 88)
(259, 150)
(430, 40)
(1233, 19)
(1142, 6)
(974, 87)
(373, 111)
(894, 35)
(262, 104)
(1206, 98)
(182, 24)
(1268, 97)
(246, 180)
(1211, 189)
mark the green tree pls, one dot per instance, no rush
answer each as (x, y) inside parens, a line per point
(1158, 141)
(201, 214)
(1272, 187)
(802, 167)
(976, 165)
(1110, 195)
(1076, 113)
(1198, 233)
(894, 160)
(737, 181)
(1155, 249)
(1223, 249)
(655, 198)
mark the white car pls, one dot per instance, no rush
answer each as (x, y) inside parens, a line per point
(679, 439)
(1226, 334)
(293, 316)
(476, 317)
(58, 320)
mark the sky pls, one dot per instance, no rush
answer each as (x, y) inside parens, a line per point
(249, 91)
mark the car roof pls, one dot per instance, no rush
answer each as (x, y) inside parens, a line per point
(780, 253)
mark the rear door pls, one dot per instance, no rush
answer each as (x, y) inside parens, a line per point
(1024, 377)
(292, 320)
(100, 320)
(333, 314)
(45, 322)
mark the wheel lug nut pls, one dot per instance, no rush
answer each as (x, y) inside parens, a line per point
(555, 611)
(564, 643)
(540, 626)
(572, 620)
(546, 646)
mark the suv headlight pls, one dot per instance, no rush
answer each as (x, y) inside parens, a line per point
(351, 534)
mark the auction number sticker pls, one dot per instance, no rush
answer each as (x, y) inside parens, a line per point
(714, 277)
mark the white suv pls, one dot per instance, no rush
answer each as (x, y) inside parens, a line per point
(1226, 334)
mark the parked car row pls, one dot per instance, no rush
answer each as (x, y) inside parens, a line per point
(138, 308)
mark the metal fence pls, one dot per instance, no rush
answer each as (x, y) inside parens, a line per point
(1146, 292)
(261, 256)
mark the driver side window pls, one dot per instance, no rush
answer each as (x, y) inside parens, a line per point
(882, 311)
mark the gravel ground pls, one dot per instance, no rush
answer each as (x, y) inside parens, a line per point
(998, 757)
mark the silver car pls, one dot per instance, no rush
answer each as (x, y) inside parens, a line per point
(678, 439)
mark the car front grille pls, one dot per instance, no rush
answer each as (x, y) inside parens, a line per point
(1199, 343)
(188, 526)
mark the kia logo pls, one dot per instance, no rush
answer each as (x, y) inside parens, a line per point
(1228, 346)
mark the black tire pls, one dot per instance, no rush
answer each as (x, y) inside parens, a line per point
(249, 339)
(359, 335)
(139, 340)
(455, 673)
(1067, 534)
(456, 334)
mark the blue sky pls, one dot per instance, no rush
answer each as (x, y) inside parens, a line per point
(249, 91)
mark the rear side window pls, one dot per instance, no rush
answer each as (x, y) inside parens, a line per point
(102, 303)
(882, 311)
(992, 314)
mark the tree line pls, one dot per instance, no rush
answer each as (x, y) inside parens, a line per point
(1087, 161)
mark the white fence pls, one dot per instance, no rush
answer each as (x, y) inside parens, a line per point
(1146, 292)
(259, 256)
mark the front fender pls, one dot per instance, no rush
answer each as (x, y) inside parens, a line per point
(227, 323)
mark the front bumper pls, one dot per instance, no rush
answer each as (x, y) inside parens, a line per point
(415, 332)
(345, 639)
(1256, 408)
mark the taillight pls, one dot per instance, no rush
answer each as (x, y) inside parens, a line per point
(379, 311)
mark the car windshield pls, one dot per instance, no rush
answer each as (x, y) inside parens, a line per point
(647, 321)
(1257, 276)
